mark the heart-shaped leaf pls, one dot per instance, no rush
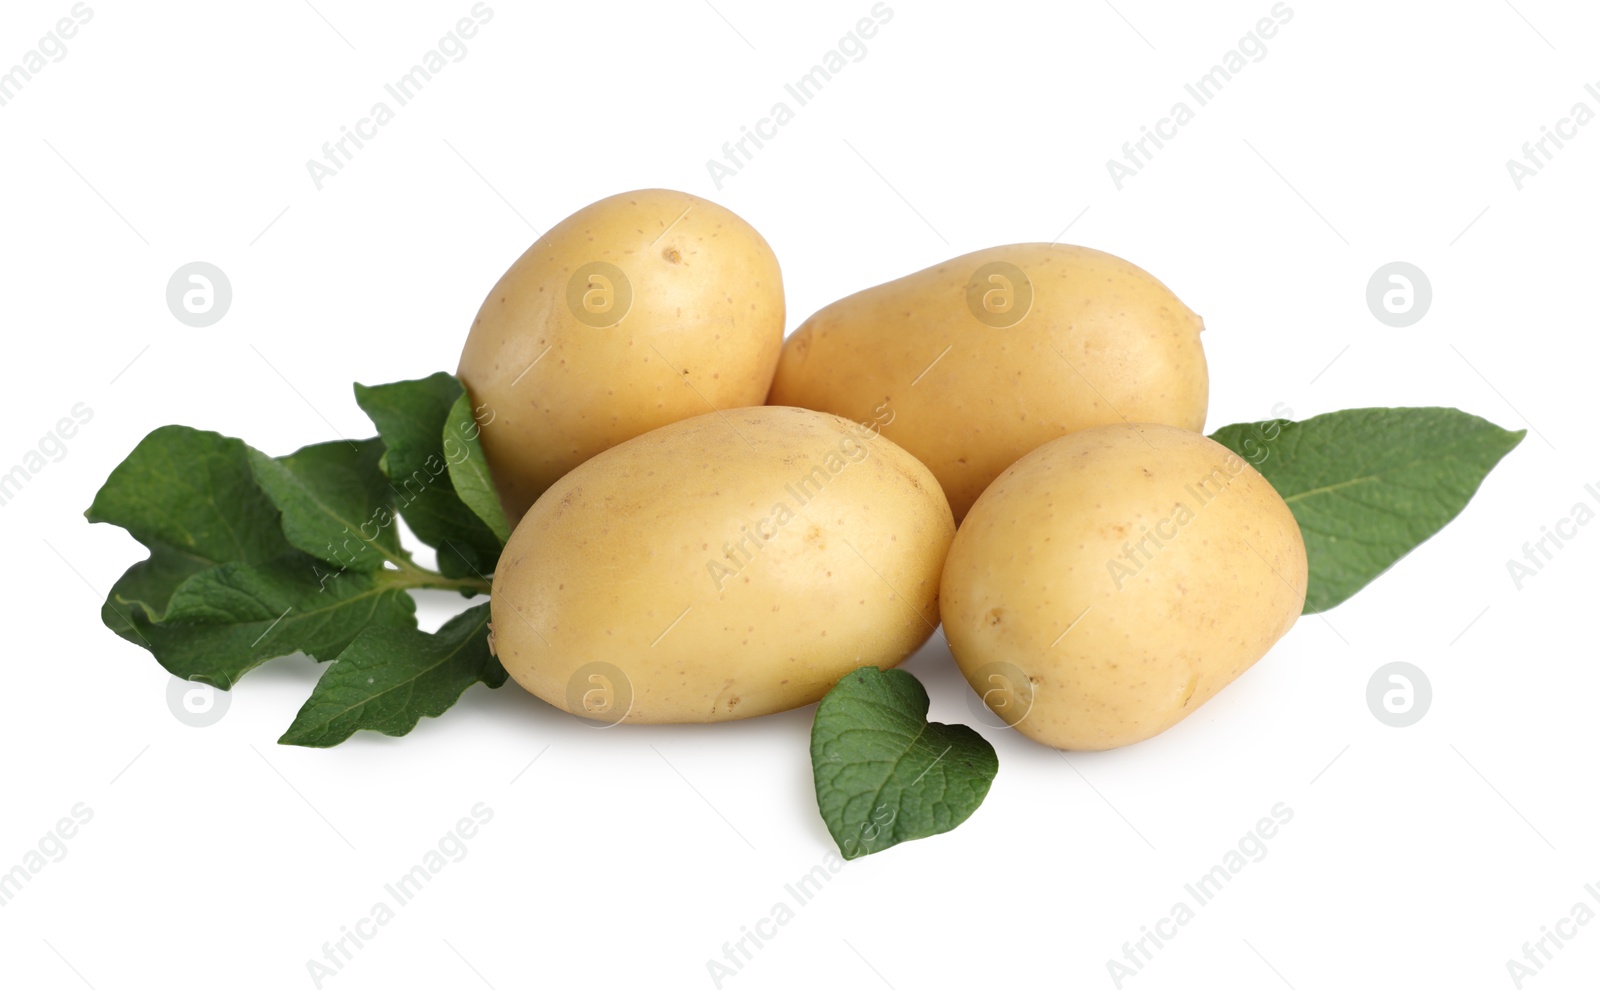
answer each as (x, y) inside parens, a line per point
(884, 773)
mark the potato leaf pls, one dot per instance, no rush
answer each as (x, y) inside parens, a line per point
(1367, 486)
(254, 557)
(192, 491)
(189, 496)
(469, 469)
(229, 619)
(145, 589)
(411, 417)
(223, 590)
(387, 680)
(885, 774)
(332, 496)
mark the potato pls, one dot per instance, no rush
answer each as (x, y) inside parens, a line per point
(635, 312)
(987, 356)
(1110, 582)
(725, 566)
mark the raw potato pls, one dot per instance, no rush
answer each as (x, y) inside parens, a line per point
(730, 565)
(568, 357)
(987, 356)
(1113, 580)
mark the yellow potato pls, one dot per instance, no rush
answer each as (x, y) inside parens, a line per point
(1110, 582)
(635, 312)
(729, 565)
(987, 356)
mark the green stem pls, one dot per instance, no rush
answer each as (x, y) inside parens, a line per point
(411, 576)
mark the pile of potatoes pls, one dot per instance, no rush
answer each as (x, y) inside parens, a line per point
(714, 523)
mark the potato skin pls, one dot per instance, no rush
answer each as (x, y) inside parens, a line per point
(702, 332)
(668, 557)
(1102, 342)
(1209, 559)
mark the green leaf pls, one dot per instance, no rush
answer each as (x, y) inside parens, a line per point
(411, 418)
(884, 773)
(192, 491)
(226, 620)
(332, 495)
(223, 590)
(144, 590)
(1368, 485)
(469, 469)
(188, 496)
(254, 557)
(388, 679)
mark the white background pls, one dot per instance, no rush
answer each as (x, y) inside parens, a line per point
(1370, 132)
